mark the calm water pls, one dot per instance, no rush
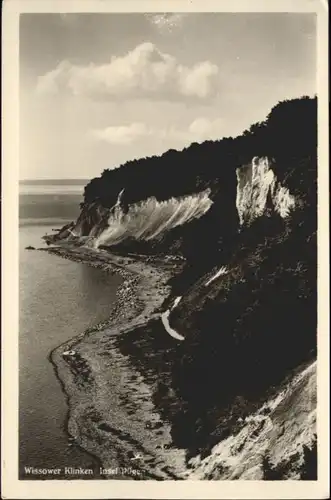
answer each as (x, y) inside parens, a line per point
(58, 300)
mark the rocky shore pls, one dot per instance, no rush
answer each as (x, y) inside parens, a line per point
(111, 413)
(110, 374)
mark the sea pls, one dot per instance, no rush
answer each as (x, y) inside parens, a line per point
(58, 299)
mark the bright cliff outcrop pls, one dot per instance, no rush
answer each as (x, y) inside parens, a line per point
(257, 184)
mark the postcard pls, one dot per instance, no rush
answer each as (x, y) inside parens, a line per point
(165, 243)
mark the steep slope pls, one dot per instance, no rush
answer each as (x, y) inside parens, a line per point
(249, 320)
(242, 312)
(256, 182)
(272, 442)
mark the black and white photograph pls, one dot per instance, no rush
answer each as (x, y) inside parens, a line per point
(168, 250)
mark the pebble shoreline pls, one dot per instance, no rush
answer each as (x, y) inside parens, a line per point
(102, 386)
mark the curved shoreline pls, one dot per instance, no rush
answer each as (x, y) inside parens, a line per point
(100, 416)
(67, 416)
(104, 323)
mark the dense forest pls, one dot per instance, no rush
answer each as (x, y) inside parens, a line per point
(288, 133)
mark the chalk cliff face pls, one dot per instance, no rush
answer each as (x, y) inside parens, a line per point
(257, 182)
(147, 220)
(272, 442)
(150, 219)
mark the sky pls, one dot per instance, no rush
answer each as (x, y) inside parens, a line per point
(97, 90)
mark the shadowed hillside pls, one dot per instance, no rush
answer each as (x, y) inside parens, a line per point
(242, 213)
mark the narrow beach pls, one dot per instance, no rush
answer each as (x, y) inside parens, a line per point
(111, 413)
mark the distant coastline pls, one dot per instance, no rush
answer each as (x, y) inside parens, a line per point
(59, 182)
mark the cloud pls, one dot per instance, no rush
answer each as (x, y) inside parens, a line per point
(166, 23)
(199, 80)
(207, 129)
(199, 130)
(124, 134)
(145, 72)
